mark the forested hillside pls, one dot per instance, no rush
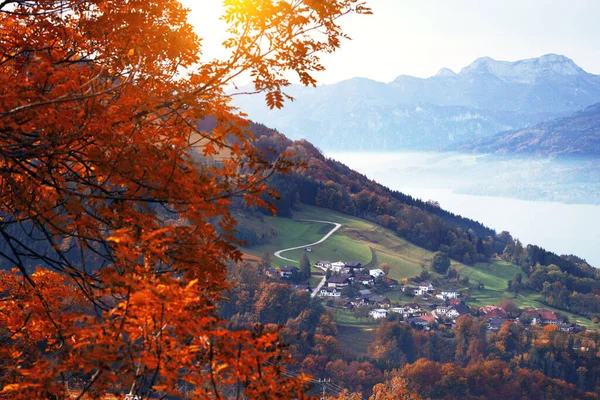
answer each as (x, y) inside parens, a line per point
(329, 184)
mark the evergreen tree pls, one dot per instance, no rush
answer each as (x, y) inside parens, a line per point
(440, 262)
(305, 267)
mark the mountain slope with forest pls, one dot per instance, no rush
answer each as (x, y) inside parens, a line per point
(576, 135)
(484, 98)
(329, 184)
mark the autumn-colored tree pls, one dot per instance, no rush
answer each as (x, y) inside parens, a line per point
(114, 201)
(393, 389)
(385, 267)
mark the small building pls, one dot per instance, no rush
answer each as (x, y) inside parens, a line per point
(361, 301)
(378, 313)
(417, 321)
(330, 292)
(566, 327)
(288, 271)
(323, 264)
(496, 312)
(448, 294)
(409, 310)
(305, 288)
(364, 292)
(376, 273)
(338, 281)
(441, 311)
(353, 265)
(414, 309)
(363, 279)
(539, 316)
(381, 301)
(457, 311)
(337, 266)
(272, 272)
(549, 317)
(423, 289)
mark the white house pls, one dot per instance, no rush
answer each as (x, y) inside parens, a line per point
(410, 310)
(375, 273)
(323, 264)
(423, 289)
(337, 266)
(447, 295)
(457, 311)
(330, 292)
(378, 313)
(441, 311)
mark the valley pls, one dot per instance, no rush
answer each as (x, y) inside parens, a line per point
(372, 245)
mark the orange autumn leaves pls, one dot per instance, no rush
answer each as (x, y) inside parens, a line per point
(116, 233)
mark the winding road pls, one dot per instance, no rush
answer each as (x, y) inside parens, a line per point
(324, 238)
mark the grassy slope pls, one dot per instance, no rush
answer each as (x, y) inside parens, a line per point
(371, 244)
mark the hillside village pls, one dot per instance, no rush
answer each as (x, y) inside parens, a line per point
(350, 286)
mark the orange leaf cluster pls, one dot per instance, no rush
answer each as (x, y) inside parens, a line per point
(114, 202)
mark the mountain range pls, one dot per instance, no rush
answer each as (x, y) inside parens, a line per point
(412, 113)
(576, 135)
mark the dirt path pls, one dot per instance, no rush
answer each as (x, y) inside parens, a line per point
(337, 226)
(324, 238)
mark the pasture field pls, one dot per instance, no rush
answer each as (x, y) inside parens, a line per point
(372, 245)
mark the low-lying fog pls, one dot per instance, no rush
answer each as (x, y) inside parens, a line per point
(551, 203)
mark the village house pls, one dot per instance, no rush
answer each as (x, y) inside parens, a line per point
(376, 273)
(352, 265)
(323, 264)
(539, 316)
(447, 295)
(417, 321)
(272, 272)
(457, 311)
(330, 292)
(567, 327)
(423, 289)
(495, 312)
(381, 301)
(288, 271)
(339, 281)
(441, 311)
(337, 266)
(414, 309)
(305, 288)
(409, 310)
(363, 279)
(378, 313)
(361, 301)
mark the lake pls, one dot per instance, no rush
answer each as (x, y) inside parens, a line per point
(564, 228)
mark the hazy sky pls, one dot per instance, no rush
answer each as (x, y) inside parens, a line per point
(419, 37)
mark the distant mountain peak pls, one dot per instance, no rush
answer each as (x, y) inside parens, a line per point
(445, 72)
(525, 71)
